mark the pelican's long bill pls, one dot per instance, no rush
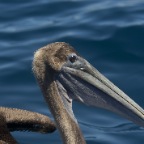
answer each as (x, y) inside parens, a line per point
(79, 80)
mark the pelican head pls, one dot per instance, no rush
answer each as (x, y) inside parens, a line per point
(59, 65)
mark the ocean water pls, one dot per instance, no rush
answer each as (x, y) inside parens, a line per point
(109, 34)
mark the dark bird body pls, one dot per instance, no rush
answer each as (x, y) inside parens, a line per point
(12, 119)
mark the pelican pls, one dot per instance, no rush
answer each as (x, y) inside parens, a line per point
(12, 119)
(63, 76)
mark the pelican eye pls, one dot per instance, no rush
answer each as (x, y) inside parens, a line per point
(72, 58)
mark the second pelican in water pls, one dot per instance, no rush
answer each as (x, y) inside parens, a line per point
(64, 76)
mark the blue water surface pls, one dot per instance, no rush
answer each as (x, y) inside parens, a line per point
(108, 33)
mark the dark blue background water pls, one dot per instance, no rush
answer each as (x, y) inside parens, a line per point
(109, 34)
